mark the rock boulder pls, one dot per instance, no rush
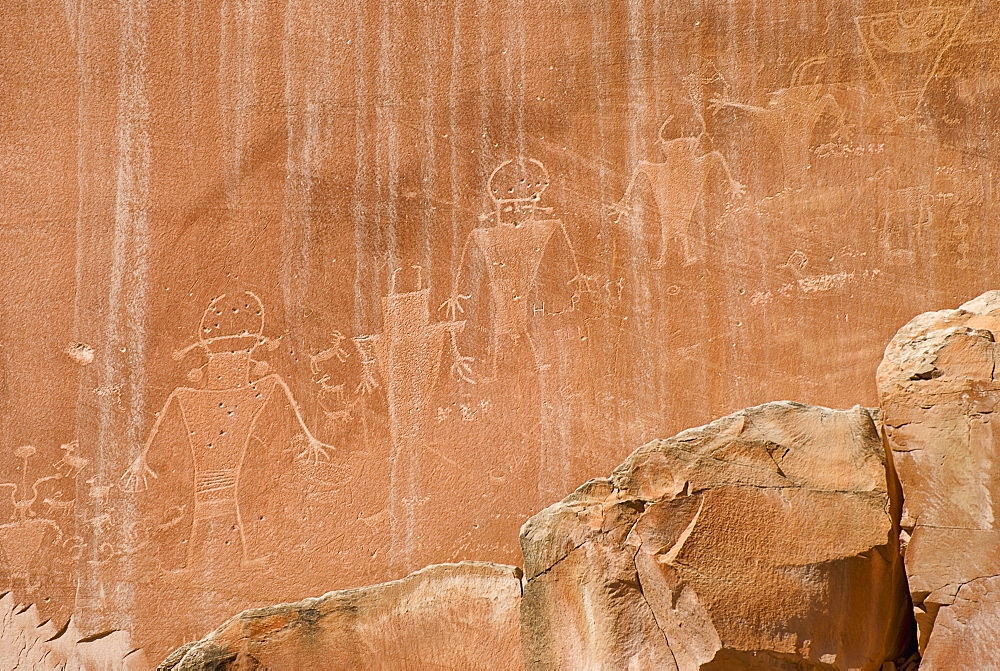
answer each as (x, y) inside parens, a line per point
(764, 540)
(461, 616)
(940, 392)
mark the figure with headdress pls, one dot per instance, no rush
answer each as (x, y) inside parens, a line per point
(519, 286)
(226, 439)
(512, 241)
(678, 184)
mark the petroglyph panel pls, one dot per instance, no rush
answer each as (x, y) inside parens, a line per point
(303, 296)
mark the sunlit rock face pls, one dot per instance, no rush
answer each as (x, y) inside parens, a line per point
(27, 642)
(939, 393)
(304, 295)
(453, 616)
(765, 539)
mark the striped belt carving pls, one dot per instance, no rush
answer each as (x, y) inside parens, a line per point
(213, 481)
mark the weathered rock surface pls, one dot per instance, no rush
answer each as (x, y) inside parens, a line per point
(27, 643)
(461, 616)
(939, 395)
(764, 540)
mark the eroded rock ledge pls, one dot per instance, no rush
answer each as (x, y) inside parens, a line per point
(28, 643)
(763, 540)
(783, 536)
(449, 616)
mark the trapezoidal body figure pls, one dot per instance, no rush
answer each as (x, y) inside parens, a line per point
(678, 183)
(406, 356)
(227, 444)
(519, 285)
(512, 243)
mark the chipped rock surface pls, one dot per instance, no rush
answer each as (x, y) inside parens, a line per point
(460, 616)
(939, 396)
(762, 540)
(968, 628)
(28, 643)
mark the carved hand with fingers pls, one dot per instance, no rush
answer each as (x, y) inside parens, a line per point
(737, 190)
(582, 284)
(461, 368)
(311, 449)
(453, 306)
(619, 209)
(136, 476)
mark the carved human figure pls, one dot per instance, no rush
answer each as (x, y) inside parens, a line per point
(512, 247)
(220, 418)
(905, 46)
(519, 284)
(678, 184)
(406, 356)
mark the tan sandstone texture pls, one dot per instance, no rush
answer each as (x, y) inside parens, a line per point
(939, 395)
(28, 643)
(448, 616)
(302, 295)
(764, 540)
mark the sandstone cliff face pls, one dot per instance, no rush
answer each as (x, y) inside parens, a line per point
(762, 540)
(489, 247)
(939, 395)
(28, 643)
(457, 616)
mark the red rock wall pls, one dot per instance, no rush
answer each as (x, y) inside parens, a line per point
(747, 201)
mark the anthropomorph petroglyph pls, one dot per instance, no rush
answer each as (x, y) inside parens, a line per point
(513, 242)
(406, 356)
(802, 117)
(220, 415)
(678, 184)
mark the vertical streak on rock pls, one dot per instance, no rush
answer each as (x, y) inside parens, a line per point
(126, 319)
(453, 176)
(387, 123)
(484, 12)
(603, 158)
(237, 82)
(520, 47)
(638, 104)
(403, 478)
(295, 222)
(648, 296)
(82, 248)
(306, 98)
(506, 82)
(229, 117)
(362, 312)
(72, 18)
(78, 28)
(428, 172)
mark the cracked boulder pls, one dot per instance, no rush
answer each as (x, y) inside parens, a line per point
(461, 616)
(764, 540)
(939, 391)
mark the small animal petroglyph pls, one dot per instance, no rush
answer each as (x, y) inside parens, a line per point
(70, 464)
(22, 539)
